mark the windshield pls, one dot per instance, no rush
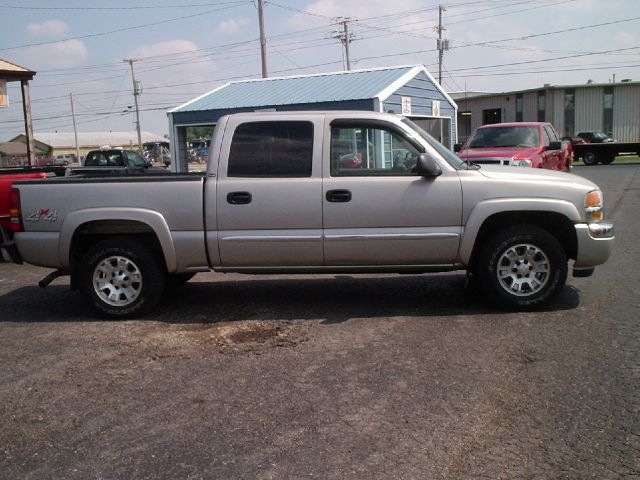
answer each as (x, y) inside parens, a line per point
(505, 137)
(600, 136)
(447, 154)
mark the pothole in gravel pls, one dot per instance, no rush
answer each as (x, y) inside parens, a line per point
(246, 336)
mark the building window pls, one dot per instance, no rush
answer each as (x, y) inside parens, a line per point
(271, 149)
(519, 107)
(569, 112)
(607, 113)
(542, 106)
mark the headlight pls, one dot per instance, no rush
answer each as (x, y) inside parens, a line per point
(521, 163)
(594, 206)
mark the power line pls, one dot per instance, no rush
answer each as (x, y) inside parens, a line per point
(124, 29)
(149, 7)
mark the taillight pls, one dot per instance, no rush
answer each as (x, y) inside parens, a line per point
(15, 215)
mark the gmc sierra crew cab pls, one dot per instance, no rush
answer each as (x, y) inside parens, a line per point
(322, 192)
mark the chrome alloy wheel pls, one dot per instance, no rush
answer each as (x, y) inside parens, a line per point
(117, 281)
(523, 270)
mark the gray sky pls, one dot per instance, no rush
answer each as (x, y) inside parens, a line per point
(188, 47)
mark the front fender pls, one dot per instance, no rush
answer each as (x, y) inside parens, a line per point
(151, 218)
(486, 209)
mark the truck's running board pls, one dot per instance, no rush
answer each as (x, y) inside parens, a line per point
(51, 277)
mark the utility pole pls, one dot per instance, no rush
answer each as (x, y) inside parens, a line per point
(442, 44)
(345, 38)
(136, 92)
(263, 39)
(75, 130)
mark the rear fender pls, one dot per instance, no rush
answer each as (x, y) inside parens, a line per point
(154, 220)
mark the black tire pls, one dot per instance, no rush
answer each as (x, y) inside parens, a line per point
(132, 278)
(521, 267)
(178, 279)
(590, 158)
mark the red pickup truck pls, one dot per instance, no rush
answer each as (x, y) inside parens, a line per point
(6, 182)
(521, 144)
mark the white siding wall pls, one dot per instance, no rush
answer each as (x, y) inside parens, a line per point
(626, 113)
(476, 106)
(530, 101)
(589, 103)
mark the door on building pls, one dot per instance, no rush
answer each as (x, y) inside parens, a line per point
(493, 115)
(439, 128)
(464, 126)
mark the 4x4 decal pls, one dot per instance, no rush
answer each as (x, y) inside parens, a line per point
(44, 214)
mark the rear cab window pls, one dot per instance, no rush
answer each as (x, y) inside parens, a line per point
(271, 149)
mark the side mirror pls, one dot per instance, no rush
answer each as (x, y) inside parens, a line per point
(427, 166)
(554, 146)
(457, 147)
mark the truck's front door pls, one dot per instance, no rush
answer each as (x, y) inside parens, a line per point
(267, 199)
(377, 210)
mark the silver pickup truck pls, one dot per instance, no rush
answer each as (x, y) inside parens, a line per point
(321, 192)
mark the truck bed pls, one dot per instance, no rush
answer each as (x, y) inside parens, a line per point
(173, 203)
(592, 153)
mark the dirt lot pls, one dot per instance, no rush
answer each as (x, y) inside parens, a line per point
(328, 377)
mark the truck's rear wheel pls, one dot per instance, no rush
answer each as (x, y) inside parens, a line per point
(590, 158)
(120, 278)
(608, 159)
(522, 267)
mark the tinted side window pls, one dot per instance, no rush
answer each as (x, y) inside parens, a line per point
(95, 159)
(551, 133)
(136, 159)
(271, 149)
(546, 139)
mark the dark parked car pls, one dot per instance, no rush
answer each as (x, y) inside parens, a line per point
(574, 140)
(595, 137)
(115, 161)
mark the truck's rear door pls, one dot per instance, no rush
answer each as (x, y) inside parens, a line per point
(269, 211)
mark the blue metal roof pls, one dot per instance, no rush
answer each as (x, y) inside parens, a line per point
(339, 86)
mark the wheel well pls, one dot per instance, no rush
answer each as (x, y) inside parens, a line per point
(90, 233)
(555, 223)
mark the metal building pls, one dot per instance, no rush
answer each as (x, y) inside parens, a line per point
(409, 90)
(613, 108)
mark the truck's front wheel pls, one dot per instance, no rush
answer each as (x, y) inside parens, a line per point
(522, 267)
(120, 278)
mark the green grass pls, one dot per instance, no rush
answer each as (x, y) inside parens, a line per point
(619, 160)
(627, 159)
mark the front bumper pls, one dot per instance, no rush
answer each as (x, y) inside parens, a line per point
(595, 244)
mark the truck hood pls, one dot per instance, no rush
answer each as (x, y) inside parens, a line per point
(503, 152)
(535, 175)
(533, 188)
